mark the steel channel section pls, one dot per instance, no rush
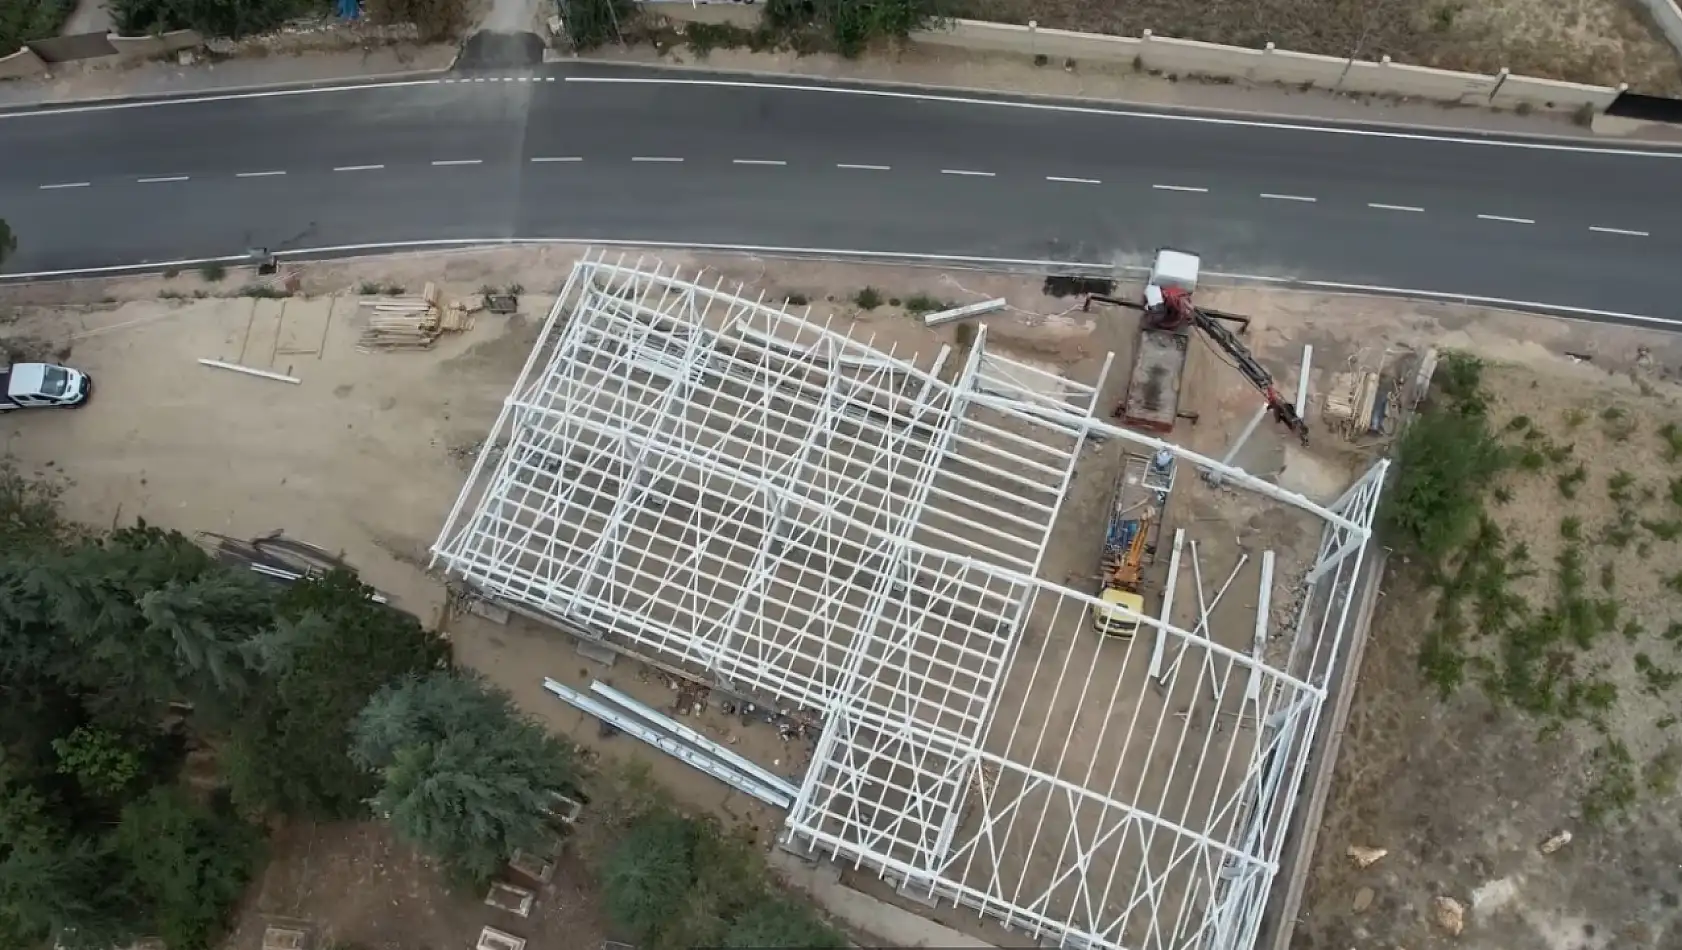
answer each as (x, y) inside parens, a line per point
(486, 548)
(739, 763)
(665, 743)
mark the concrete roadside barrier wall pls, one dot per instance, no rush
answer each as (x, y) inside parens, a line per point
(21, 65)
(1668, 15)
(1190, 58)
(132, 48)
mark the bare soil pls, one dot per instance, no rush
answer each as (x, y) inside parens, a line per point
(1592, 41)
(355, 885)
(1463, 793)
(366, 455)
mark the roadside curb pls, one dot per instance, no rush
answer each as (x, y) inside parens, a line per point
(347, 82)
(340, 252)
(1134, 104)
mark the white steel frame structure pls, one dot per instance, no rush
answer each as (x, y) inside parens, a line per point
(801, 516)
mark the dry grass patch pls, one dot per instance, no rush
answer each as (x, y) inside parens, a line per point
(1593, 41)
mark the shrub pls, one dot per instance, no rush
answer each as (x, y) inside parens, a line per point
(1445, 461)
(648, 875)
(781, 923)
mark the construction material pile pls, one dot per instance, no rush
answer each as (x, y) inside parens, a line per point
(412, 323)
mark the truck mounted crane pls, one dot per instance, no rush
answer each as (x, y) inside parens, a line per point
(1169, 314)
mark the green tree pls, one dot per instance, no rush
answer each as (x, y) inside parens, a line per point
(102, 761)
(188, 862)
(648, 875)
(52, 882)
(155, 618)
(463, 775)
(332, 648)
(781, 923)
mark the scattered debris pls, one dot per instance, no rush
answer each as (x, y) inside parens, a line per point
(250, 371)
(1365, 857)
(413, 323)
(1363, 899)
(1449, 914)
(1557, 840)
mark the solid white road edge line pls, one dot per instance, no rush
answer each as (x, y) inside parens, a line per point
(393, 247)
(1619, 231)
(224, 97)
(1130, 114)
(1504, 218)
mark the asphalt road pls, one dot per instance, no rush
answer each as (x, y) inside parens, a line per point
(558, 153)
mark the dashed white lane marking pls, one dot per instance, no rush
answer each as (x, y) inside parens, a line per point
(558, 158)
(864, 168)
(1073, 181)
(66, 184)
(1623, 231)
(967, 172)
(459, 161)
(1385, 207)
(1504, 219)
(1289, 197)
(358, 168)
(757, 161)
(161, 179)
(654, 158)
(258, 174)
(1179, 188)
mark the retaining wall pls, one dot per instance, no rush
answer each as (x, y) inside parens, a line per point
(21, 65)
(162, 44)
(1668, 15)
(1191, 58)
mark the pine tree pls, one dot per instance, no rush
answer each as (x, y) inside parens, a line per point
(331, 648)
(463, 775)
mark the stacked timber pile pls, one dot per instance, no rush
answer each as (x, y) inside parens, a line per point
(411, 323)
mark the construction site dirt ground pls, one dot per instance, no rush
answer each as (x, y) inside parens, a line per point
(368, 451)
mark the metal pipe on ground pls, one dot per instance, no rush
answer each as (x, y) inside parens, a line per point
(689, 756)
(694, 738)
(966, 312)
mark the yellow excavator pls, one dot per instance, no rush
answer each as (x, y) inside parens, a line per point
(1136, 510)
